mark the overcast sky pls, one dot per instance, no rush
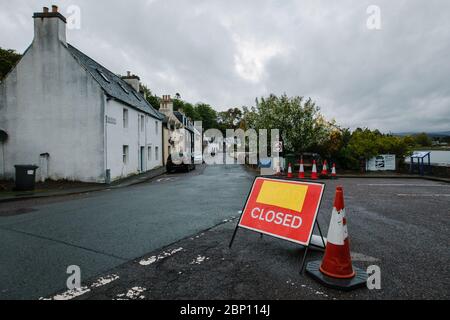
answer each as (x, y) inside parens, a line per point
(227, 53)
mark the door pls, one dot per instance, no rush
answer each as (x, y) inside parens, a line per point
(2, 160)
(142, 157)
(43, 167)
(3, 138)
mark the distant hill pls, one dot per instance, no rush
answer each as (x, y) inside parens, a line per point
(431, 134)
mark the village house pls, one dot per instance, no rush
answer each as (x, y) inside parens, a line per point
(75, 119)
(179, 133)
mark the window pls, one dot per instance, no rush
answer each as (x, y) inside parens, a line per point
(142, 123)
(103, 76)
(149, 153)
(125, 118)
(125, 155)
(123, 88)
(157, 153)
(156, 128)
(136, 95)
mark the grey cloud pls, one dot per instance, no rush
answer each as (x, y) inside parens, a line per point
(228, 52)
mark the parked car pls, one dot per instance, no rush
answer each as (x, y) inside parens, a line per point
(181, 164)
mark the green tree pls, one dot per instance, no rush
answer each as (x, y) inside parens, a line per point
(186, 107)
(302, 126)
(230, 119)
(423, 140)
(365, 143)
(207, 115)
(151, 98)
(8, 59)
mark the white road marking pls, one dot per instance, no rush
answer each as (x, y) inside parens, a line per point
(71, 294)
(199, 260)
(164, 255)
(132, 294)
(104, 281)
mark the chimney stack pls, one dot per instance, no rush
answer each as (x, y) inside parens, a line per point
(133, 80)
(49, 28)
(166, 106)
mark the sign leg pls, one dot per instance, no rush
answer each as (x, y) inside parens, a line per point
(321, 235)
(302, 268)
(234, 236)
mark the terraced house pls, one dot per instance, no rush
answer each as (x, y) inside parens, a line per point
(75, 119)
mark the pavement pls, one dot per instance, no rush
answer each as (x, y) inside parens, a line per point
(168, 239)
(78, 188)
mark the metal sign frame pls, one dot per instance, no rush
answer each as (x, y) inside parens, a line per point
(315, 222)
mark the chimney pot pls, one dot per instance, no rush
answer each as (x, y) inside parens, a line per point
(45, 9)
(54, 9)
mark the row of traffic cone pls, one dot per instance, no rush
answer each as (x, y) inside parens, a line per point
(314, 174)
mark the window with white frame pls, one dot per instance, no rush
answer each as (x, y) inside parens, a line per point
(156, 127)
(142, 123)
(149, 153)
(125, 154)
(125, 118)
(157, 153)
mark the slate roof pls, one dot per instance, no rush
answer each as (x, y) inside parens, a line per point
(113, 85)
(180, 116)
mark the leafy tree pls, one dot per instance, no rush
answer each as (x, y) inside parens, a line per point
(151, 98)
(207, 115)
(423, 140)
(365, 143)
(230, 119)
(302, 126)
(187, 108)
(8, 59)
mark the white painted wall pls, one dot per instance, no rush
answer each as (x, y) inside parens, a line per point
(49, 104)
(117, 136)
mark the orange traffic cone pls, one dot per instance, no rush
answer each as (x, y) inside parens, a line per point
(337, 262)
(333, 172)
(325, 169)
(290, 175)
(314, 171)
(336, 269)
(301, 173)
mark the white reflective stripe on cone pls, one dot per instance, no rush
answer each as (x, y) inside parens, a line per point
(338, 232)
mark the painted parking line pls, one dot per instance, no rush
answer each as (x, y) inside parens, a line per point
(422, 195)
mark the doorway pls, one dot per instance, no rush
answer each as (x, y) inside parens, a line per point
(43, 166)
(3, 138)
(142, 157)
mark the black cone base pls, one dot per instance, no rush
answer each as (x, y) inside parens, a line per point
(359, 281)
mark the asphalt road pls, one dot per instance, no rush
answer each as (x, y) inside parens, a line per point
(39, 239)
(401, 226)
(168, 239)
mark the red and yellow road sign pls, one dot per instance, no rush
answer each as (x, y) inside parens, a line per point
(283, 209)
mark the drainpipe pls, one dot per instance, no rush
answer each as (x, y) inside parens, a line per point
(3, 160)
